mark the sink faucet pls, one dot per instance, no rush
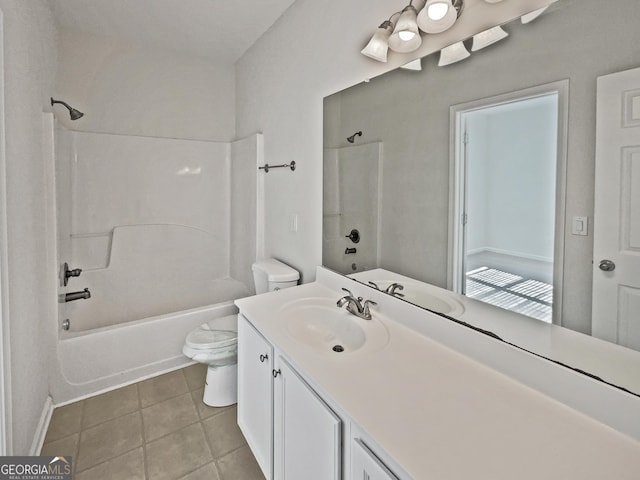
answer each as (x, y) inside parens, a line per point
(355, 305)
(391, 289)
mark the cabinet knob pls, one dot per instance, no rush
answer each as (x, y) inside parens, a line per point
(264, 358)
(276, 373)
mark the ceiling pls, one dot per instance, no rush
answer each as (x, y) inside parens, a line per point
(220, 30)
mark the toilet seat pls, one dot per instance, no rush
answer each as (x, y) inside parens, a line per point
(204, 337)
(214, 342)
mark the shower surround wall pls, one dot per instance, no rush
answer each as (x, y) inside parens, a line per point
(164, 231)
(148, 220)
(351, 200)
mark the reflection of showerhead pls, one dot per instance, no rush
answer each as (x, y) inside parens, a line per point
(73, 113)
(353, 137)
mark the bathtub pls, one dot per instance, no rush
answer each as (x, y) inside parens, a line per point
(103, 359)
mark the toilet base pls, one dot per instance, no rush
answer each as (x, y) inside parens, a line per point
(221, 386)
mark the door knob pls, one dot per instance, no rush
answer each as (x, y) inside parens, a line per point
(607, 266)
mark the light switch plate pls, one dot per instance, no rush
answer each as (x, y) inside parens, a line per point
(580, 226)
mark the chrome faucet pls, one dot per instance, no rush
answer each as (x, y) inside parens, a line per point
(72, 296)
(391, 289)
(355, 305)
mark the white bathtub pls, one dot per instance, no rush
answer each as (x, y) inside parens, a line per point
(106, 358)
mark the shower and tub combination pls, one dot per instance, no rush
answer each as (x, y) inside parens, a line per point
(160, 235)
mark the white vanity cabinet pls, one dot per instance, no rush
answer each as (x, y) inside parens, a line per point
(307, 433)
(365, 465)
(289, 428)
(255, 393)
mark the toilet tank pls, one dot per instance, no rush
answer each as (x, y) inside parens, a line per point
(270, 275)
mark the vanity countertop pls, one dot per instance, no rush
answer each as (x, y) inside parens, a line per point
(440, 414)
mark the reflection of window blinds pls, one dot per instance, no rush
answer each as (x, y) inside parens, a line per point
(512, 292)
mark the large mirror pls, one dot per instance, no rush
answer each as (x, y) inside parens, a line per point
(390, 142)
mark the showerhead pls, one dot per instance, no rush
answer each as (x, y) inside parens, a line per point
(73, 113)
(352, 138)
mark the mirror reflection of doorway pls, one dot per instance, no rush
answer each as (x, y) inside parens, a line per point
(510, 163)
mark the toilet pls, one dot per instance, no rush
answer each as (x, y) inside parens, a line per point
(215, 343)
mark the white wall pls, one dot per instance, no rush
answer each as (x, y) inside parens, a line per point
(511, 178)
(557, 43)
(476, 192)
(311, 52)
(244, 244)
(30, 62)
(128, 89)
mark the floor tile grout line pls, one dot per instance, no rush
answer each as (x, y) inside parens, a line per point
(79, 443)
(199, 422)
(174, 431)
(116, 456)
(202, 415)
(199, 467)
(108, 460)
(108, 420)
(145, 461)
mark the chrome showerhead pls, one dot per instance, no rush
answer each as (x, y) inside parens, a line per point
(353, 137)
(73, 113)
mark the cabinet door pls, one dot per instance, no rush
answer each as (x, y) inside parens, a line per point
(306, 432)
(255, 393)
(366, 466)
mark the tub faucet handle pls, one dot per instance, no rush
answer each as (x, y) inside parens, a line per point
(70, 273)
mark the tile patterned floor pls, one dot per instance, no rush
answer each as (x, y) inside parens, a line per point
(158, 429)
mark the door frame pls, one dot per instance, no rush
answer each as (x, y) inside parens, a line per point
(457, 182)
(5, 347)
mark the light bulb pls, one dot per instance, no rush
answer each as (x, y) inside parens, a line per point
(437, 11)
(406, 35)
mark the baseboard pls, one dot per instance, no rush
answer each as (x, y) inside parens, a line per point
(509, 253)
(43, 425)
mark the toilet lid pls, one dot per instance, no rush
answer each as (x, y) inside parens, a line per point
(206, 337)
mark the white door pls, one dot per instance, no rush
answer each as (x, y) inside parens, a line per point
(255, 393)
(306, 431)
(616, 249)
(507, 201)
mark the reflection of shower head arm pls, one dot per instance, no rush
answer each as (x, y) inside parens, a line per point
(73, 113)
(352, 138)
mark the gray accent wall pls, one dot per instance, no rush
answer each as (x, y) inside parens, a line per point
(575, 40)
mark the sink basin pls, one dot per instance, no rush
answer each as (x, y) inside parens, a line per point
(426, 296)
(318, 323)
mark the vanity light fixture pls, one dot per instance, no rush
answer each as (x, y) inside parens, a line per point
(452, 54)
(415, 65)
(530, 17)
(378, 46)
(439, 15)
(406, 37)
(488, 37)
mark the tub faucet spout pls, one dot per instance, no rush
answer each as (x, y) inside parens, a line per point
(71, 296)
